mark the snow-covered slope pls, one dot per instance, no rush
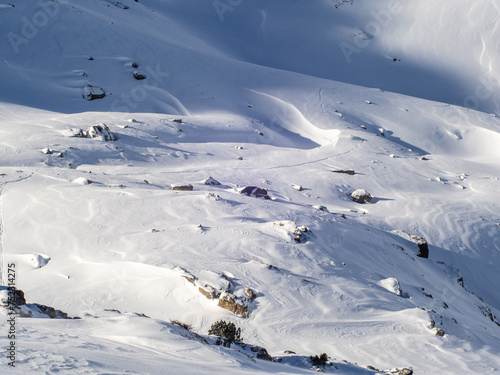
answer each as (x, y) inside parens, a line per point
(243, 93)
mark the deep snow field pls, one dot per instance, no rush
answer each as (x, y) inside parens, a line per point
(274, 95)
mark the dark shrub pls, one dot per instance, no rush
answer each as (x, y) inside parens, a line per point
(320, 360)
(226, 331)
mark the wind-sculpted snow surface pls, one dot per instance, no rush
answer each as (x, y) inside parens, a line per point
(130, 233)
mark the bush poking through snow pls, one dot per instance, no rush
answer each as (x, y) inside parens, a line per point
(227, 332)
(319, 361)
(186, 326)
(182, 187)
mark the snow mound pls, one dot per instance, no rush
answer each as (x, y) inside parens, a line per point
(392, 285)
(81, 181)
(39, 260)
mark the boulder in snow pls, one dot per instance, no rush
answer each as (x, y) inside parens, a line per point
(392, 285)
(350, 172)
(255, 192)
(211, 181)
(93, 92)
(361, 196)
(101, 132)
(423, 248)
(139, 76)
(39, 260)
(81, 181)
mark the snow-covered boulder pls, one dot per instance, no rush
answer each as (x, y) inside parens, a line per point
(361, 196)
(392, 285)
(81, 181)
(93, 92)
(211, 181)
(39, 260)
(101, 132)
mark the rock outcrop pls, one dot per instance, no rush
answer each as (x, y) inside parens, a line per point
(12, 301)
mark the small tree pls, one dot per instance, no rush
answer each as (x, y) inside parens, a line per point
(226, 331)
(321, 360)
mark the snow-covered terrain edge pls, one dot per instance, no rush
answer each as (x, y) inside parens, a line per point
(204, 182)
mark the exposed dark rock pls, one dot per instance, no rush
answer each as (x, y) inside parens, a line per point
(11, 297)
(51, 312)
(135, 65)
(119, 5)
(405, 371)
(299, 235)
(253, 191)
(93, 92)
(422, 246)
(231, 303)
(250, 293)
(139, 76)
(346, 171)
(209, 292)
(261, 353)
(440, 332)
(185, 187)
